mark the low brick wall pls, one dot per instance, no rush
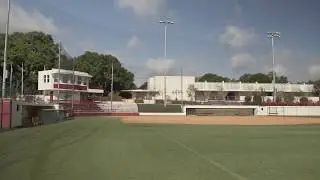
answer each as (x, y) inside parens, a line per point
(83, 114)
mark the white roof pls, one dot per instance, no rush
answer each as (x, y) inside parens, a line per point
(63, 71)
(97, 91)
(139, 90)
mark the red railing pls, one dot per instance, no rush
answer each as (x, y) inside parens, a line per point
(291, 103)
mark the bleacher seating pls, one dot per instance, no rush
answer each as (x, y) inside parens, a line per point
(118, 107)
(82, 106)
(224, 102)
(101, 107)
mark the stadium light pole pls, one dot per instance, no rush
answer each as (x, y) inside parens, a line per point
(273, 36)
(166, 23)
(4, 72)
(111, 96)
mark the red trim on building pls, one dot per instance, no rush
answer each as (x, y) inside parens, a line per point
(70, 87)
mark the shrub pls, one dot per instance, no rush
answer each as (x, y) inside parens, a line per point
(138, 101)
(303, 100)
(288, 97)
(278, 99)
(159, 101)
(248, 99)
(257, 99)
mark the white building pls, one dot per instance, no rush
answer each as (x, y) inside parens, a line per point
(178, 87)
(48, 84)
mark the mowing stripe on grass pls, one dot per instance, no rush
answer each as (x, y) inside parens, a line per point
(200, 156)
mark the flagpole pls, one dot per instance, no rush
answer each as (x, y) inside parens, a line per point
(4, 73)
(111, 85)
(73, 83)
(59, 64)
(11, 69)
(22, 74)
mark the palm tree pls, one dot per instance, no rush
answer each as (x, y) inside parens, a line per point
(191, 92)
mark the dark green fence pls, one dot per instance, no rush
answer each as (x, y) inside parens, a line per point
(159, 108)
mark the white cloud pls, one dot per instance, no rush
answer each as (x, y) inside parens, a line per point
(134, 42)
(314, 72)
(87, 45)
(280, 70)
(23, 20)
(284, 58)
(242, 61)
(142, 7)
(237, 37)
(160, 65)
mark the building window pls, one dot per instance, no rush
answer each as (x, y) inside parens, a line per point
(79, 80)
(64, 78)
(84, 80)
(44, 78)
(48, 78)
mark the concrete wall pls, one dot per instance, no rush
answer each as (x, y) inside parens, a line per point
(252, 87)
(16, 111)
(268, 110)
(288, 111)
(45, 80)
(173, 84)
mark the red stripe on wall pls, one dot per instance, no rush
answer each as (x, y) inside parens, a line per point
(70, 86)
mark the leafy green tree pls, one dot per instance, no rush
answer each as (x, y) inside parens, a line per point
(282, 79)
(288, 97)
(257, 99)
(36, 50)
(262, 78)
(209, 77)
(248, 99)
(304, 100)
(99, 66)
(252, 78)
(191, 91)
(144, 86)
(316, 88)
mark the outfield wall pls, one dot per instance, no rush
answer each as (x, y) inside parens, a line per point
(311, 111)
(288, 111)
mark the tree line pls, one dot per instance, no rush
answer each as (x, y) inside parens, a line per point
(246, 78)
(257, 77)
(249, 78)
(38, 51)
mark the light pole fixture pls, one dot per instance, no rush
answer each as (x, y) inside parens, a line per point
(166, 22)
(5, 72)
(273, 36)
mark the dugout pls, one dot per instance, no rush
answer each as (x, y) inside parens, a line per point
(220, 110)
(21, 114)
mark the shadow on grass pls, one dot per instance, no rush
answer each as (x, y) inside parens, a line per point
(43, 154)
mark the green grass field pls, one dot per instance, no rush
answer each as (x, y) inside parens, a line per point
(100, 149)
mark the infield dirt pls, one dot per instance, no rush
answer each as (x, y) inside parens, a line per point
(222, 120)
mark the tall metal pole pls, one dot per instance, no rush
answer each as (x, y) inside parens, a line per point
(273, 72)
(181, 87)
(59, 64)
(111, 96)
(22, 76)
(4, 73)
(273, 36)
(165, 72)
(165, 22)
(73, 83)
(11, 69)
(165, 40)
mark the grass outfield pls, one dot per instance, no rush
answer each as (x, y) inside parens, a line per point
(100, 149)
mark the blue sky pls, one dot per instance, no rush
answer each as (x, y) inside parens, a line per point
(225, 37)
